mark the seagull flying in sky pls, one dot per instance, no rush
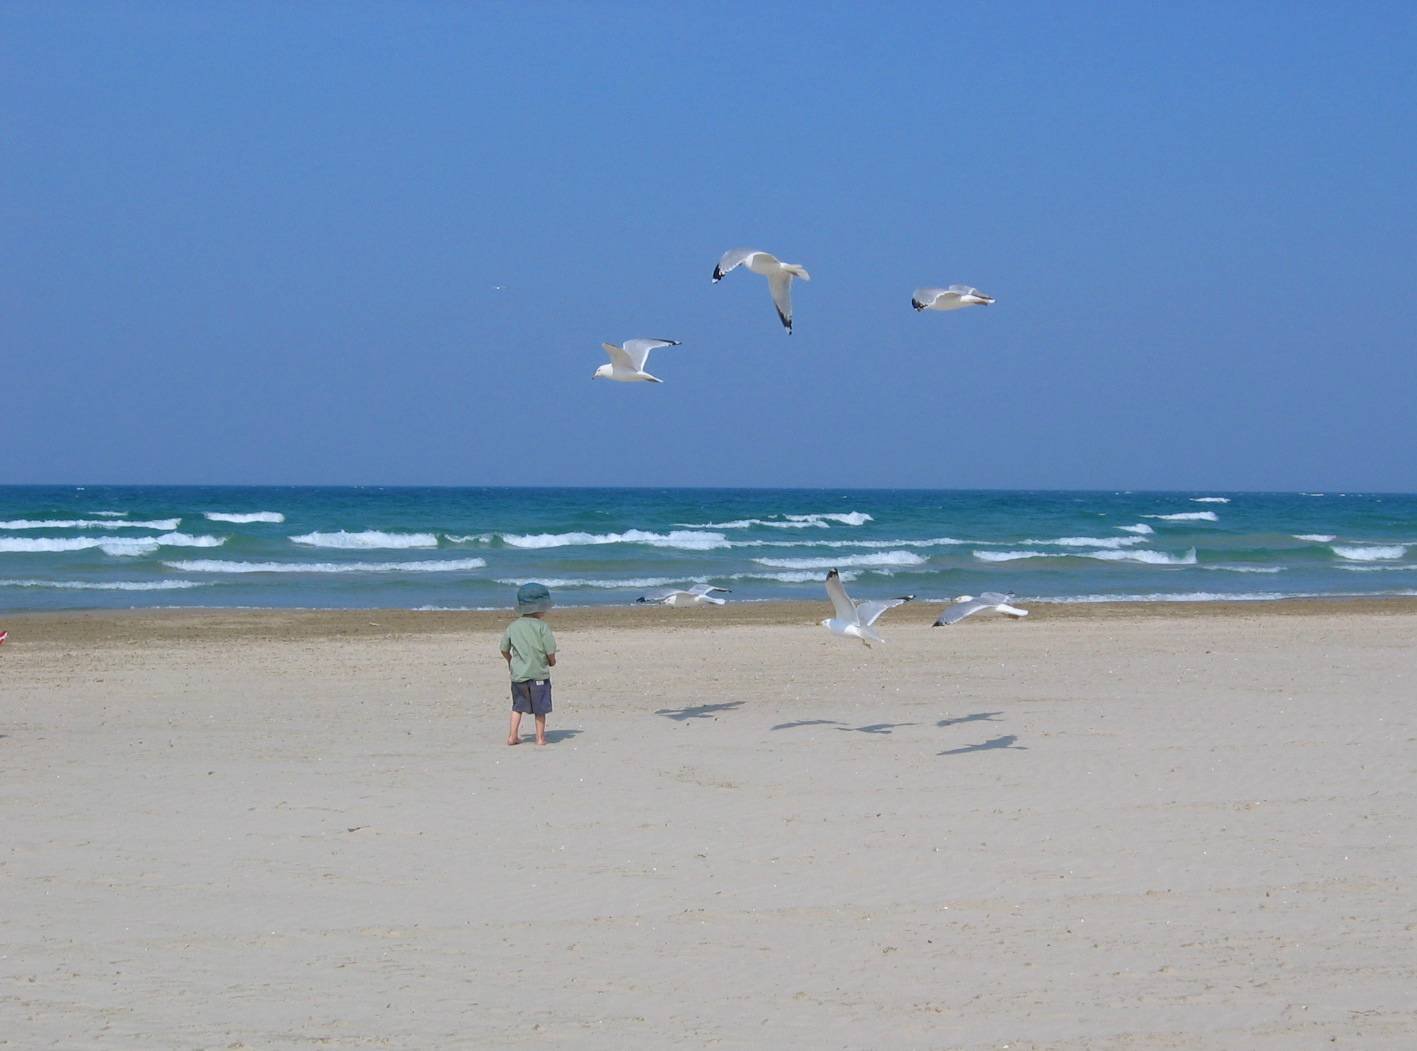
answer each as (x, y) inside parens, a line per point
(855, 620)
(951, 298)
(964, 605)
(627, 363)
(697, 595)
(778, 273)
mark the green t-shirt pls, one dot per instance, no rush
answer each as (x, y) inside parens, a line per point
(529, 640)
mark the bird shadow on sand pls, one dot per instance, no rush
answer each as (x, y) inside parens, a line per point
(806, 722)
(873, 728)
(976, 717)
(698, 711)
(1007, 741)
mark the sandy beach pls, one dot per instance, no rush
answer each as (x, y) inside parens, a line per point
(1105, 826)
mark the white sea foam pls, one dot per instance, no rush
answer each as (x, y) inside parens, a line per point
(106, 585)
(1210, 499)
(582, 582)
(369, 539)
(110, 545)
(1317, 538)
(208, 565)
(1141, 529)
(1223, 568)
(1183, 596)
(1369, 553)
(88, 523)
(797, 577)
(1087, 541)
(1405, 568)
(109, 514)
(1187, 516)
(884, 558)
(1154, 558)
(823, 520)
(240, 519)
(685, 540)
(939, 541)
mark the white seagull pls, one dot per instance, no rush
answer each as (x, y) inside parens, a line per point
(627, 363)
(854, 620)
(778, 273)
(964, 605)
(695, 596)
(951, 298)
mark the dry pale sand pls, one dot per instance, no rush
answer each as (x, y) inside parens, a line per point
(1109, 828)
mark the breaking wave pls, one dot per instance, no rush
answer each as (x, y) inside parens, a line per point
(450, 565)
(814, 521)
(1087, 541)
(1141, 529)
(1152, 558)
(1187, 516)
(88, 523)
(1368, 553)
(1210, 499)
(885, 558)
(106, 585)
(241, 519)
(1317, 538)
(580, 582)
(369, 539)
(110, 545)
(685, 540)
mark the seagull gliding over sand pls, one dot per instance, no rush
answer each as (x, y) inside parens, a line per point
(855, 620)
(951, 298)
(964, 605)
(627, 363)
(695, 596)
(778, 273)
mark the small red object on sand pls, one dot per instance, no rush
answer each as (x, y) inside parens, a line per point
(4, 635)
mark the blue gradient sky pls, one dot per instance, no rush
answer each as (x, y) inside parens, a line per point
(261, 243)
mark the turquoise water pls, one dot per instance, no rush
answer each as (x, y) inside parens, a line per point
(104, 547)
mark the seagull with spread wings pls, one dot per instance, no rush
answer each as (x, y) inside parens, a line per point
(856, 620)
(778, 273)
(697, 595)
(952, 298)
(964, 605)
(627, 363)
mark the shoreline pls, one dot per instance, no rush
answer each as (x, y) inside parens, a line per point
(122, 626)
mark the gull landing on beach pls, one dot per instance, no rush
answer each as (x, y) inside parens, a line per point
(856, 620)
(778, 273)
(952, 298)
(964, 605)
(698, 595)
(627, 363)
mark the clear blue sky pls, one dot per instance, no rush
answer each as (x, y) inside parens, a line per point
(260, 243)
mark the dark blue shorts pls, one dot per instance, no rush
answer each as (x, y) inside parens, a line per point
(532, 697)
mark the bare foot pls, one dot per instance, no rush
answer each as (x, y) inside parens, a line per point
(513, 740)
(541, 740)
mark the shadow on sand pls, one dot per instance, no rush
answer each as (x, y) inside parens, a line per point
(977, 717)
(697, 711)
(552, 736)
(1007, 741)
(806, 722)
(873, 728)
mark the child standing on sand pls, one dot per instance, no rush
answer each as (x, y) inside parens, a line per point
(529, 648)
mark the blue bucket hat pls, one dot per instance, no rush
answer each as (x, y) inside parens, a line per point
(533, 598)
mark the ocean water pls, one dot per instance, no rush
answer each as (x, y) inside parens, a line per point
(449, 548)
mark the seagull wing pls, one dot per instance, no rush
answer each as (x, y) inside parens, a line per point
(620, 359)
(638, 349)
(955, 613)
(995, 598)
(704, 589)
(925, 297)
(870, 612)
(731, 260)
(781, 285)
(841, 602)
(658, 596)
